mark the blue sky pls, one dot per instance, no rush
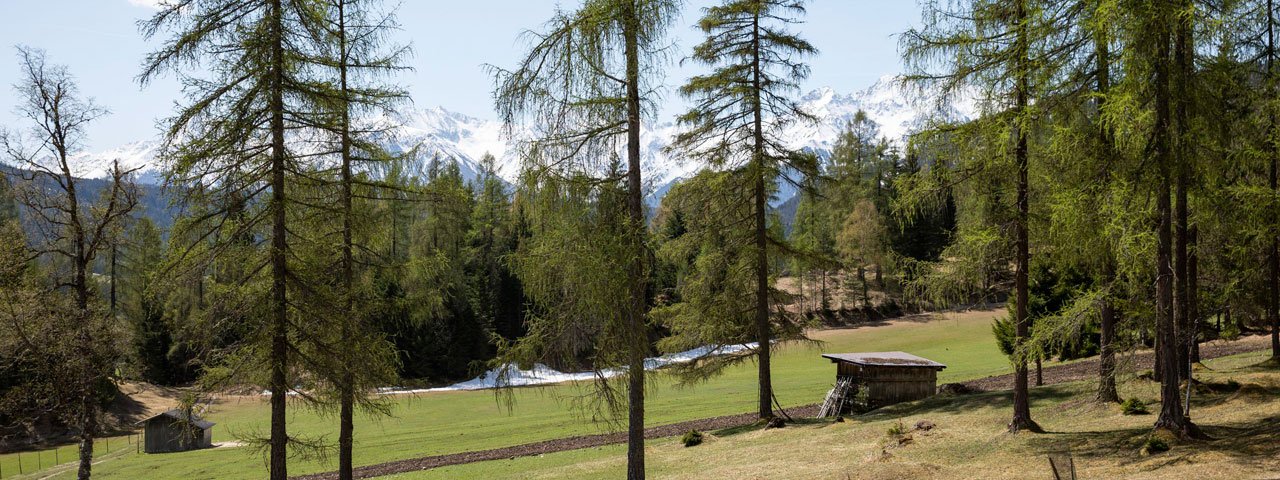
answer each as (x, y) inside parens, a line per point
(99, 42)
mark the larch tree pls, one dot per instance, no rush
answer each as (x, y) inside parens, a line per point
(356, 59)
(231, 149)
(585, 86)
(1008, 53)
(737, 120)
(1150, 37)
(76, 336)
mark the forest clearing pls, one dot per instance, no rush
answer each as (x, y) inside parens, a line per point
(669, 239)
(460, 422)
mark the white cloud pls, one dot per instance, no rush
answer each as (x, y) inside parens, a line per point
(152, 4)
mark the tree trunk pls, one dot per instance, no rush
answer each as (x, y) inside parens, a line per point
(279, 359)
(112, 261)
(862, 279)
(1107, 391)
(1193, 292)
(1182, 159)
(639, 340)
(1107, 354)
(1273, 253)
(1039, 371)
(88, 426)
(346, 384)
(822, 295)
(1166, 343)
(1021, 401)
(763, 333)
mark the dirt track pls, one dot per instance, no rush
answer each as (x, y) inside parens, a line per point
(1081, 370)
(1126, 363)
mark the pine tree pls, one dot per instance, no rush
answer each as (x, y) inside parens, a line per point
(1009, 51)
(229, 149)
(582, 86)
(736, 122)
(355, 51)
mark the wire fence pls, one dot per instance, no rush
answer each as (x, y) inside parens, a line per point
(26, 463)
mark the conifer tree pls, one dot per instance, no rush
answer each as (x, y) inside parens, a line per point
(229, 149)
(1008, 52)
(356, 55)
(583, 86)
(739, 113)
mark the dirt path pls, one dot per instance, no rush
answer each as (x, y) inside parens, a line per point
(556, 445)
(1081, 370)
(1126, 363)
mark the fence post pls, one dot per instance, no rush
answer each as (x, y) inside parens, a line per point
(55, 456)
(39, 460)
(19, 463)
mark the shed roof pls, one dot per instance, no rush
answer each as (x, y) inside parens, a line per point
(178, 414)
(884, 359)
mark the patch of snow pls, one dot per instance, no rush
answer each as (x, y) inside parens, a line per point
(510, 375)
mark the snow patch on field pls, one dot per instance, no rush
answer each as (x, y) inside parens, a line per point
(510, 375)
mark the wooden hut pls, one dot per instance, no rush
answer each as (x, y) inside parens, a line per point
(176, 431)
(870, 380)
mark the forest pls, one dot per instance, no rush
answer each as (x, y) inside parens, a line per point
(1115, 192)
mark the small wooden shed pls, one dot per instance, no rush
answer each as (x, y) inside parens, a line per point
(872, 380)
(176, 431)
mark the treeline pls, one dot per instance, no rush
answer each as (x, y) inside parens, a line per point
(1124, 164)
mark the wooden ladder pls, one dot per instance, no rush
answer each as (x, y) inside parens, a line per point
(837, 397)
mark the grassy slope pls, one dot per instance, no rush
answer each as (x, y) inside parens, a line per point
(462, 421)
(968, 442)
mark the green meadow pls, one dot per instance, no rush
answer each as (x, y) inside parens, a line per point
(451, 422)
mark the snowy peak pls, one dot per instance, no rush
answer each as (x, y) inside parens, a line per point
(442, 135)
(139, 155)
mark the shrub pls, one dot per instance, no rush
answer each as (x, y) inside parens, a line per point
(1154, 445)
(692, 438)
(897, 428)
(1133, 406)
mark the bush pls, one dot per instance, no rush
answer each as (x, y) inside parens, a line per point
(897, 428)
(1154, 445)
(692, 438)
(1133, 406)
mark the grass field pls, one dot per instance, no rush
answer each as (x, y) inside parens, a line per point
(968, 441)
(450, 422)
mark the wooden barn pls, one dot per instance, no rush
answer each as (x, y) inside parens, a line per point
(176, 431)
(870, 380)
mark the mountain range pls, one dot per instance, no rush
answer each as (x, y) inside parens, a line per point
(442, 134)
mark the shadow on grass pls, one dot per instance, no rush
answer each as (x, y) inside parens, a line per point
(751, 427)
(1247, 444)
(966, 403)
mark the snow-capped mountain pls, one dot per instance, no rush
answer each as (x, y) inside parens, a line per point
(440, 134)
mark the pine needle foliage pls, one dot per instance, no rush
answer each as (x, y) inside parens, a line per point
(740, 111)
(584, 87)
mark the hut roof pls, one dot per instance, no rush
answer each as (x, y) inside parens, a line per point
(182, 415)
(884, 359)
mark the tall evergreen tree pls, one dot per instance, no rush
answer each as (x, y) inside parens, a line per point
(737, 120)
(229, 149)
(583, 85)
(1008, 52)
(355, 51)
